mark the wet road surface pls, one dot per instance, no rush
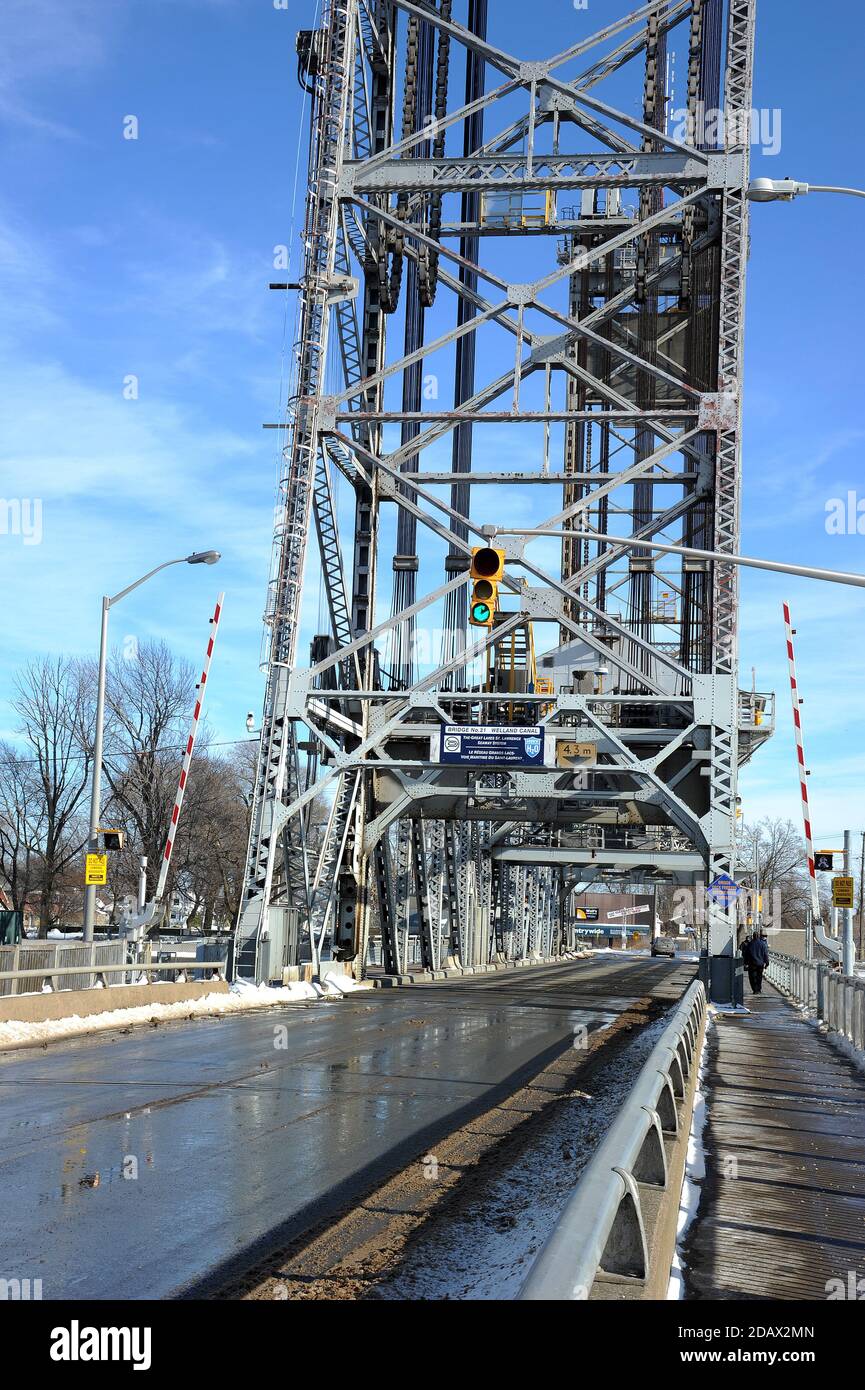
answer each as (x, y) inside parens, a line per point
(134, 1165)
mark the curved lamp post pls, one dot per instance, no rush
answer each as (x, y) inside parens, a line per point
(204, 557)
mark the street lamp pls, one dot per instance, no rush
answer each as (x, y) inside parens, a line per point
(203, 557)
(785, 190)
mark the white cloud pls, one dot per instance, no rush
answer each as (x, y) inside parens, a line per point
(122, 489)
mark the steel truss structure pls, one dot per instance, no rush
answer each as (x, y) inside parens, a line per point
(542, 235)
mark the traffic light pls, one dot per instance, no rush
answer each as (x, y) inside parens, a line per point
(487, 569)
(112, 839)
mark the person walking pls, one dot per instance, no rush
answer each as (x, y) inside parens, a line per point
(755, 955)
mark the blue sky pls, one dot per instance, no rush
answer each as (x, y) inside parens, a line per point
(150, 258)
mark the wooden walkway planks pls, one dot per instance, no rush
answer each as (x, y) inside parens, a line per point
(782, 1207)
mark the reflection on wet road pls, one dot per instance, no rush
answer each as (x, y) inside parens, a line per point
(140, 1162)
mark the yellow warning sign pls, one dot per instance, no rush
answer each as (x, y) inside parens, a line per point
(842, 891)
(96, 870)
(576, 754)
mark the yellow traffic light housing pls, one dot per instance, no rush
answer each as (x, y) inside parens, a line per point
(112, 839)
(487, 569)
(483, 605)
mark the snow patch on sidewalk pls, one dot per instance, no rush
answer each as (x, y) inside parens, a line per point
(695, 1169)
(240, 997)
(836, 1040)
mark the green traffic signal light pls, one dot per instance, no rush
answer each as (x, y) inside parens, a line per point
(482, 614)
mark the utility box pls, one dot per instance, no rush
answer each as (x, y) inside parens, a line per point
(724, 979)
(207, 951)
(10, 928)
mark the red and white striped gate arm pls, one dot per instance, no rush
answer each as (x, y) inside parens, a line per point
(187, 756)
(800, 754)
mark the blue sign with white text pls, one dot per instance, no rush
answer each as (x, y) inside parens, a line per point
(498, 745)
(723, 887)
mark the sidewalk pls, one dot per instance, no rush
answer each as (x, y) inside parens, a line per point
(782, 1206)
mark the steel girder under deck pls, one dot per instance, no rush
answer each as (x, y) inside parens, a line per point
(613, 353)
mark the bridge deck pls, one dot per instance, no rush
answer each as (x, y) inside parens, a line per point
(244, 1140)
(782, 1208)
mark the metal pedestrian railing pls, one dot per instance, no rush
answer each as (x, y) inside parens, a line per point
(28, 967)
(834, 999)
(602, 1227)
(25, 968)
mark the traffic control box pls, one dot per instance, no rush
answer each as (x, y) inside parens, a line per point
(111, 840)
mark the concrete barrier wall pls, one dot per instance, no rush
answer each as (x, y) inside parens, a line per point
(36, 1008)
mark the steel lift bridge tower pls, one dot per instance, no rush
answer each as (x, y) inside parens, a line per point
(521, 309)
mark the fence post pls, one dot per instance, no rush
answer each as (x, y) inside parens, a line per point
(821, 991)
(849, 988)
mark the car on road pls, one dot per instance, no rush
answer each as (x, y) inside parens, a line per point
(664, 946)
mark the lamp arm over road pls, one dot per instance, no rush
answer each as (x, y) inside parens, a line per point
(785, 190)
(856, 581)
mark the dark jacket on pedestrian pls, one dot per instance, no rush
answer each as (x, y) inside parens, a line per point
(756, 952)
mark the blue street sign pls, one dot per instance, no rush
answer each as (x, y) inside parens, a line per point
(495, 745)
(724, 887)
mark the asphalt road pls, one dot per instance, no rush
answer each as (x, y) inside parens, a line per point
(134, 1165)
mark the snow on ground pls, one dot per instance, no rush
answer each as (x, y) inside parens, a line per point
(617, 951)
(836, 1040)
(241, 997)
(485, 1251)
(844, 1045)
(695, 1168)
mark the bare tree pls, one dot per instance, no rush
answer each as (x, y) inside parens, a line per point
(21, 827)
(210, 850)
(778, 849)
(53, 705)
(149, 701)
(44, 785)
